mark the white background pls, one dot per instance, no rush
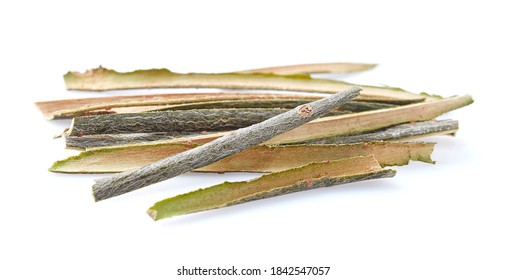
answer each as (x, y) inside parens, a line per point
(443, 221)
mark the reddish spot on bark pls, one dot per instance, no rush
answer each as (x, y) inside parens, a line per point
(107, 108)
(309, 183)
(412, 123)
(306, 111)
(80, 134)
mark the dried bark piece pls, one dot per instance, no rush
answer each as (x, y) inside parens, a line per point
(121, 129)
(101, 79)
(171, 121)
(310, 176)
(403, 131)
(256, 159)
(225, 146)
(68, 108)
(315, 68)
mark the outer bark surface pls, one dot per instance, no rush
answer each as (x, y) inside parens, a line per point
(171, 121)
(403, 131)
(225, 146)
(122, 129)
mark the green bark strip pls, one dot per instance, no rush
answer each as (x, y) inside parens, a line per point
(310, 176)
(223, 147)
(101, 79)
(315, 68)
(403, 131)
(255, 159)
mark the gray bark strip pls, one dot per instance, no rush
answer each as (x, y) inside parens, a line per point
(122, 129)
(106, 140)
(361, 106)
(403, 131)
(171, 121)
(218, 149)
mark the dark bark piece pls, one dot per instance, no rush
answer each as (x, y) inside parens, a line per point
(113, 130)
(68, 108)
(171, 121)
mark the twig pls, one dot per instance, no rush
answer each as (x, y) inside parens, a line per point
(220, 148)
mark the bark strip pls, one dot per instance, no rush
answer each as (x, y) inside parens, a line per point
(113, 130)
(67, 108)
(171, 121)
(256, 159)
(310, 176)
(101, 79)
(397, 132)
(225, 146)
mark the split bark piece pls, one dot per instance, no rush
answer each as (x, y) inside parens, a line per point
(97, 141)
(311, 176)
(256, 159)
(121, 129)
(171, 121)
(403, 131)
(68, 108)
(101, 79)
(225, 146)
(316, 68)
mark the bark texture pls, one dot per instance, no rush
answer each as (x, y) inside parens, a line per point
(403, 131)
